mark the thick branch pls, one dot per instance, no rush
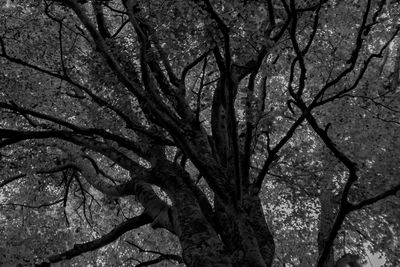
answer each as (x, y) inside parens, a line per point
(90, 174)
(15, 136)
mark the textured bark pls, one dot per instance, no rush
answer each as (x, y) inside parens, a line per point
(200, 243)
(265, 239)
(224, 236)
(239, 236)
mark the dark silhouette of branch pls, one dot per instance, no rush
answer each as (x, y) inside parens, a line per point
(358, 78)
(272, 155)
(162, 256)
(44, 171)
(97, 99)
(35, 207)
(78, 129)
(271, 15)
(11, 179)
(159, 259)
(392, 191)
(118, 231)
(192, 65)
(8, 137)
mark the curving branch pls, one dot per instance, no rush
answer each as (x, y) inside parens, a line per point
(318, 101)
(165, 115)
(192, 65)
(14, 136)
(161, 257)
(118, 231)
(39, 171)
(11, 179)
(351, 62)
(390, 192)
(97, 99)
(345, 206)
(122, 141)
(273, 153)
(91, 175)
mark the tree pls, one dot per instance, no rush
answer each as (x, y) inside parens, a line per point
(246, 129)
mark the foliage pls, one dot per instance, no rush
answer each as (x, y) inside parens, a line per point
(157, 132)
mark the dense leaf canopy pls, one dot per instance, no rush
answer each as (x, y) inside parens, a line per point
(199, 133)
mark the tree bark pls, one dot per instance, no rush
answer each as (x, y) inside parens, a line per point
(223, 236)
(327, 217)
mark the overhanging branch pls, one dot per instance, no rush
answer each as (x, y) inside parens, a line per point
(118, 231)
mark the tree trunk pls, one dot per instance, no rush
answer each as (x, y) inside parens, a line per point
(224, 236)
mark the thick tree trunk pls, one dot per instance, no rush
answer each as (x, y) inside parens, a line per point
(245, 233)
(201, 245)
(265, 239)
(223, 236)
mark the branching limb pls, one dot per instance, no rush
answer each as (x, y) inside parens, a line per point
(162, 256)
(15, 136)
(191, 66)
(207, 6)
(164, 58)
(272, 155)
(80, 130)
(165, 115)
(318, 101)
(39, 171)
(345, 206)
(97, 99)
(351, 62)
(90, 174)
(118, 231)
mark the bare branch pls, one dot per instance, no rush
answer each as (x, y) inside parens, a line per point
(39, 171)
(353, 58)
(15, 136)
(163, 255)
(392, 191)
(272, 155)
(11, 179)
(357, 80)
(190, 66)
(100, 101)
(118, 231)
(81, 130)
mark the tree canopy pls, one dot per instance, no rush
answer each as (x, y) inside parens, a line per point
(199, 133)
